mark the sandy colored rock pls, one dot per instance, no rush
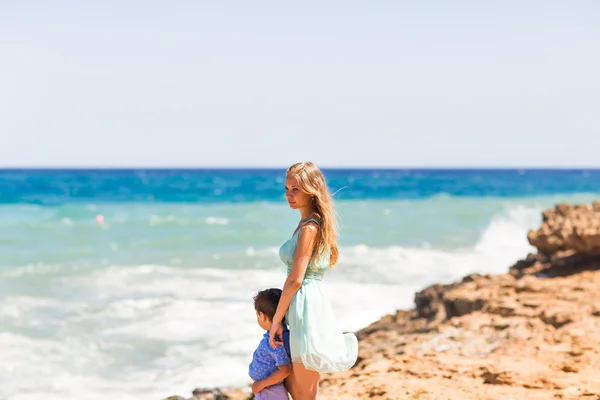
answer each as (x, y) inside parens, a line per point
(493, 337)
(216, 394)
(568, 227)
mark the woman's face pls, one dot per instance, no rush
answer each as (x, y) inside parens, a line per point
(294, 195)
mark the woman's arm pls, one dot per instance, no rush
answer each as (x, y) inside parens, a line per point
(304, 249)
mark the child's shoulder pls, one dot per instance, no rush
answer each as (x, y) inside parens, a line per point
(281, 353)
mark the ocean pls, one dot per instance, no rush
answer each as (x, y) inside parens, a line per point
(138, 284)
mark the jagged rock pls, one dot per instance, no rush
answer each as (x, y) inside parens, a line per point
(208, 394)
(568, 227)
(493, 337)
(216, 394)
(562, 263)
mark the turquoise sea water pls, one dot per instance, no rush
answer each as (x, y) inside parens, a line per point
(157, 299)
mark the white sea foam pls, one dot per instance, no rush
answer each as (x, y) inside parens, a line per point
(149, 331)
(171, 219)
(216, 221)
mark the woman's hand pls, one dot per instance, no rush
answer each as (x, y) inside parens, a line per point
(276, 330)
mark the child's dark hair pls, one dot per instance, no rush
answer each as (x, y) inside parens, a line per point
(266, 302)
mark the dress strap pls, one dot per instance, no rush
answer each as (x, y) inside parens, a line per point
(316, 221)
(309, 220)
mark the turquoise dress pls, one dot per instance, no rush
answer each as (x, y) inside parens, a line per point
(315, 339)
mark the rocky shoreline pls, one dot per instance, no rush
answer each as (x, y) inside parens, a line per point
(532, 333)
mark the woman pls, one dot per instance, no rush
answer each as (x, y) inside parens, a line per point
(317, 345)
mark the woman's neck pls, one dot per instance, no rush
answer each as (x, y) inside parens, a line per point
(306, 213)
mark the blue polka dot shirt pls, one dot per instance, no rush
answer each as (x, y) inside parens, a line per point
(266, 359)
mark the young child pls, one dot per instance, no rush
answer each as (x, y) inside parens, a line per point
(269, 367)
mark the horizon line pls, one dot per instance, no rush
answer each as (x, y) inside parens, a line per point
(278, 168)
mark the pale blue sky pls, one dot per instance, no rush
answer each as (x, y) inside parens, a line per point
(342, 83)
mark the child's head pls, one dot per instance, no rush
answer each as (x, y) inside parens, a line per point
(265, 305)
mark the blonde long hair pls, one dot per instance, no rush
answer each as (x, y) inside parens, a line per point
(311, 181)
